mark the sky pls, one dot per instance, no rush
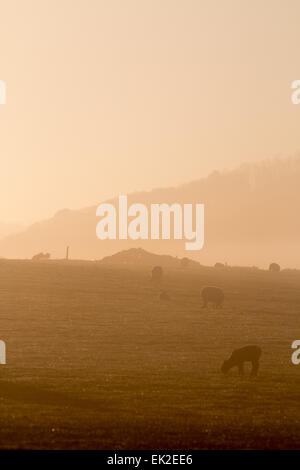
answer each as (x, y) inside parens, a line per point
(106, 97)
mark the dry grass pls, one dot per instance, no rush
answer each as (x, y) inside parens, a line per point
(96, 360)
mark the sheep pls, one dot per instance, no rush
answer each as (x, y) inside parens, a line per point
(164, 295)
(242, 355)
(274, 267)
(219, 265)
(157, 273)
(212, 294)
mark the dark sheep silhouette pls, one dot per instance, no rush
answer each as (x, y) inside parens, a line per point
(274, 267)
(212, 294)
(219, 265)
(157, 273)
(242, 355)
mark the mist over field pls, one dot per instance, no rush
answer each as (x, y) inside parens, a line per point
(133, 344)
(251, 218)
(7, 229)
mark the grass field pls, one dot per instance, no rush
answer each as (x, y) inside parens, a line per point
(96, 361)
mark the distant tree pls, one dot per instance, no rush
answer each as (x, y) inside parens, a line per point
(274, 267)
(157, 273)
(41, 256)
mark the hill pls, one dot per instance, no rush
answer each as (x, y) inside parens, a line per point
(140, 257)
(9, 229)
(251, 217)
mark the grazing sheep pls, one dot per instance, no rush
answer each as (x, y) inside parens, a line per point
(212, 294)
(157, 273)
(239, 356)
(274, 267)
(164, 295)
(219, 265)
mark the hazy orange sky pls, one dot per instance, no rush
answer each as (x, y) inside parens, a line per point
(107, 97)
